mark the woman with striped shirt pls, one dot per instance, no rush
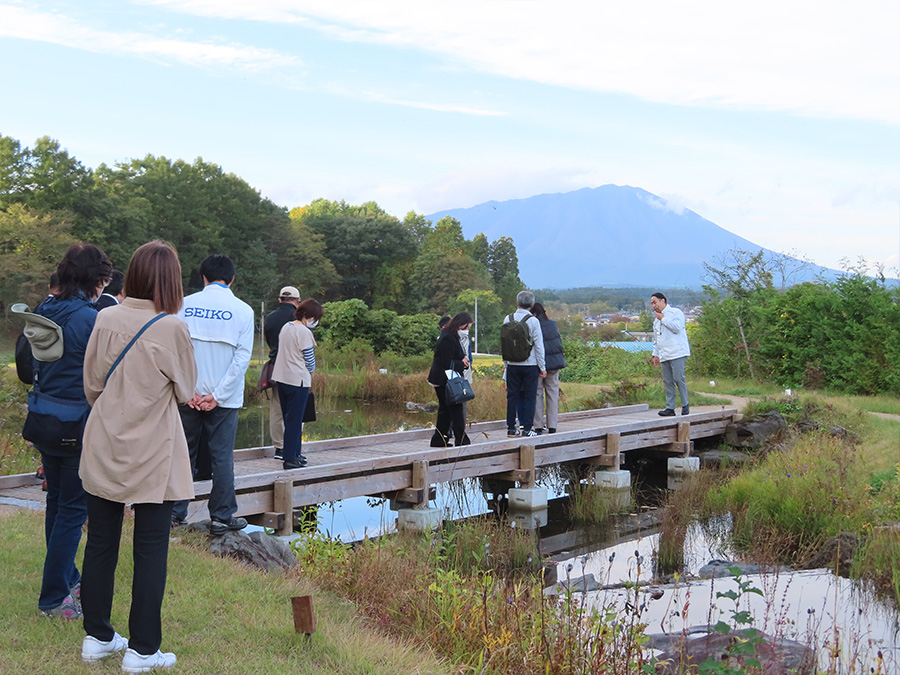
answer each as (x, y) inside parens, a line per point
(293, 370)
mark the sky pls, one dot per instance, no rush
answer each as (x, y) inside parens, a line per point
(779, 121)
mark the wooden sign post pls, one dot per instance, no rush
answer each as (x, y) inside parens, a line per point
(304, 620)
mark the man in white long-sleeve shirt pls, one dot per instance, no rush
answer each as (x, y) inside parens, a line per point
(522, 376)
(221, 328)
(670, 349)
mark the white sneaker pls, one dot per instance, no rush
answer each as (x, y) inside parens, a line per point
(93, 649)
(531, 433)
(138, 663)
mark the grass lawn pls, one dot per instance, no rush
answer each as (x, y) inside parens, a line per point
(218, 617)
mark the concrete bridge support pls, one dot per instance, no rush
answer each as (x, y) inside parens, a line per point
(420, 516)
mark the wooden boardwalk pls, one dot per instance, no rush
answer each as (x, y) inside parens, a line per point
(402, 466)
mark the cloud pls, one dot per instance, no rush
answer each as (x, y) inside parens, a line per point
(674, 203)
(53, 28)
(807, 58)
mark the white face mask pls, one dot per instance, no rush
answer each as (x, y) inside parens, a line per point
(313, 323)
(464, 333)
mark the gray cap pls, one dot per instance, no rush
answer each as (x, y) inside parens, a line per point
(44, 335)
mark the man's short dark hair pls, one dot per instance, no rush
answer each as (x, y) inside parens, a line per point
(217, 267)
(117, 280)
(660, 296)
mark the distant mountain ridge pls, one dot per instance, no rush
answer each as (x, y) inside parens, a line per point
(611, 236)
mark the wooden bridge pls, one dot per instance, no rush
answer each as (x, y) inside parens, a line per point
(401, 465)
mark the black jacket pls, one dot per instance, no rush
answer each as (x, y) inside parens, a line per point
(274, 323)
(553, 348)
(448, 355)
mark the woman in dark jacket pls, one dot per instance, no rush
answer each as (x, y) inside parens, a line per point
(83, 274)
(449, 355)
(548, 387)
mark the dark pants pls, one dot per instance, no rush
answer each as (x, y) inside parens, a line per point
(293, 407)
(449, 415)
(216, 429)
(66, 513)
(521, 392)
(101, 554)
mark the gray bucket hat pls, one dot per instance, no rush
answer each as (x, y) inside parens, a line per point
(44, 335)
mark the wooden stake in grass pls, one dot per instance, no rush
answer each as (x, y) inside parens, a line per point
(304, 620)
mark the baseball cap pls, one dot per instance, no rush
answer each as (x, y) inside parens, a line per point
(289, 292)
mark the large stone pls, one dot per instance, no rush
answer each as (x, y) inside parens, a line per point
(836, 554)
(753, 432)
(722, 568)
(257, 549)
(716, 459)
(684, 652)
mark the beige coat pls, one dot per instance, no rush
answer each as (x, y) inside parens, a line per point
(134, 448)
(290, 366)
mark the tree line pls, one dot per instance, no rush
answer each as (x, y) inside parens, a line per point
(330, 250)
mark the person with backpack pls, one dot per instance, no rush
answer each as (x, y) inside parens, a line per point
(522, 349)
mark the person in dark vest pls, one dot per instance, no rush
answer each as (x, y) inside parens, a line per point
(113, 294)
(547, 399)
(288, 300)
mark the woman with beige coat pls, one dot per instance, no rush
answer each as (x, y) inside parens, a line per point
(135, 452)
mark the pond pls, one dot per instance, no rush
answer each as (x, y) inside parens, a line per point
(849, 626)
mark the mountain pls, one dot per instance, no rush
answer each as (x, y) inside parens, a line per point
(609, 236)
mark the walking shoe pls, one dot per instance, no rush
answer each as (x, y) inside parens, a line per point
(93, 649)
(138, 663)
(551, 430)
(512, 433)
(531, 433)
(218, 528)
(668, 412)
(75, 591)
(279, 454)
(68, 609)
(298, 463)
(177, 522)
(686, 410)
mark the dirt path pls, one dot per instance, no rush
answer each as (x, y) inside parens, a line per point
(738, 402)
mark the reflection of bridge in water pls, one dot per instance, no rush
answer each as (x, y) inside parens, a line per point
(401, 465)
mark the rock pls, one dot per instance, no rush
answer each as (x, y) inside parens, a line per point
(835, 554)
(257, 549)
(583, 584)
(721, 568)
(684, 652)
(715, 459)
(753, 432)
(416, 407)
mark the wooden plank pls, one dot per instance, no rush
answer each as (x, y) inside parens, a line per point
(613, 449)
(270, 519)
(282, 502)
(684, 432)
(524, 477)
(304, 620)
(526, 463)
(18, 480)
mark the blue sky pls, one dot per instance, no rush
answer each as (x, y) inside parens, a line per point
(779, 121)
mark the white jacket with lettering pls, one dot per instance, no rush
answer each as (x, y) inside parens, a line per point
(221, 328)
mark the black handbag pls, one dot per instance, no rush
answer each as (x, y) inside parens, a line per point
(458, 390)
(265, 376)
(309, 415)
(55, 423)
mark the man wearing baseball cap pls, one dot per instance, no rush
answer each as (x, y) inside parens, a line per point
(288, 299)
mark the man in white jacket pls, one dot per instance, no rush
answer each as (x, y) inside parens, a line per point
(670, 349)
(221, 328)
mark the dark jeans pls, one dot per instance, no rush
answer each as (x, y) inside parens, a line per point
(293, 407)
(449, 415)
(521, 392)
(101, 554)
(66, 513)
(215, 429)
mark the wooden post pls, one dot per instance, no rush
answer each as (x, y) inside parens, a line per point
(526, 461)
(612, 448)
(684, 437)
(283, 498)
(304, 620)
(420, 480)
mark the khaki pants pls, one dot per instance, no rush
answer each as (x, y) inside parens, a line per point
(276, 421)
(547, 388)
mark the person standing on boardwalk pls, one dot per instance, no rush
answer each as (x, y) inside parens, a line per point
(288, 299)
(221, 328)
(670, 350)
(449, 355)
(548, 387)
(135, 452)
(113, 294)
(293, 371)
(524, 365)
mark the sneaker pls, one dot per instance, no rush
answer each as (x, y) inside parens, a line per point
(686, 410)
(279, 454)
(68, 609)
(531, 433)
(298, 463)
(668, 412)
(512, 433)
(93, 649)
(138, 663)
(218, 528)
(177, 522)
(551, 430)
(75, 591)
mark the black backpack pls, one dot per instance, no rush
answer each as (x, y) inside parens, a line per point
(515, 340)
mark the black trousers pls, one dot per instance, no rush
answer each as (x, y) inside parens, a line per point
(447, 416)
(101, 554)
